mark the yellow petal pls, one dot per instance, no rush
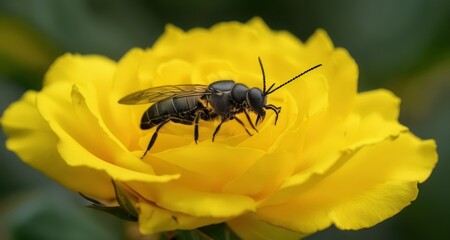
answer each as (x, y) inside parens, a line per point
(126, 78)
(80, 71)
(319, 44)
(250, 227)
(342, 74)
(212, 160)
(226, 41)
(374, 117)
(31, 138)
(380, 101)
(339, 68)
(119, 119)
(373, 185)
(153, 219)
(110, 150)
(264, 177)
(78, 123)
(286, 42)
(195, 203)
(76, 144)
(212, 70)
(77, 70)
(341, 140)
(271, 137)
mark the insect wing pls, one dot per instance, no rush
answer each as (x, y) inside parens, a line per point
(160, 93)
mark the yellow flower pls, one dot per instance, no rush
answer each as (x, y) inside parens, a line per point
(335, 156)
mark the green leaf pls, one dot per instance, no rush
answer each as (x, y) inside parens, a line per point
(219, 231)
(125, 210)
(190, 235)
(117, 211)
(125, 200)
(211, 232)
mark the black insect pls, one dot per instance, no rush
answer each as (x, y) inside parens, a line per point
(187, 104)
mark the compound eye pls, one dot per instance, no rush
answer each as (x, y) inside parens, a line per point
(256, 100)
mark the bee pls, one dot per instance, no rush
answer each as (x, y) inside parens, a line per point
(188, 103)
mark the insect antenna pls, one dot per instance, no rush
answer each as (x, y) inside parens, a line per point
(263, 74)
(270, 90)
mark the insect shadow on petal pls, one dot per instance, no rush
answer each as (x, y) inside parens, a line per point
(188, 103)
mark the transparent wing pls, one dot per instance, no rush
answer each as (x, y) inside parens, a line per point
(157, 94)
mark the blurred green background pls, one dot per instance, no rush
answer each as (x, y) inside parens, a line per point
(400, 45)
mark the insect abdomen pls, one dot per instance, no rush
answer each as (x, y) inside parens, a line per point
(180, 110)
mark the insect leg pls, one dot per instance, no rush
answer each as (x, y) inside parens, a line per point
(242, 124)
(196, 119)
(275, 109)
(259, 119)
(155, 135)
(218, 128)
(249, 120)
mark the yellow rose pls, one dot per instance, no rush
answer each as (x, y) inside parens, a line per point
(335, 156)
